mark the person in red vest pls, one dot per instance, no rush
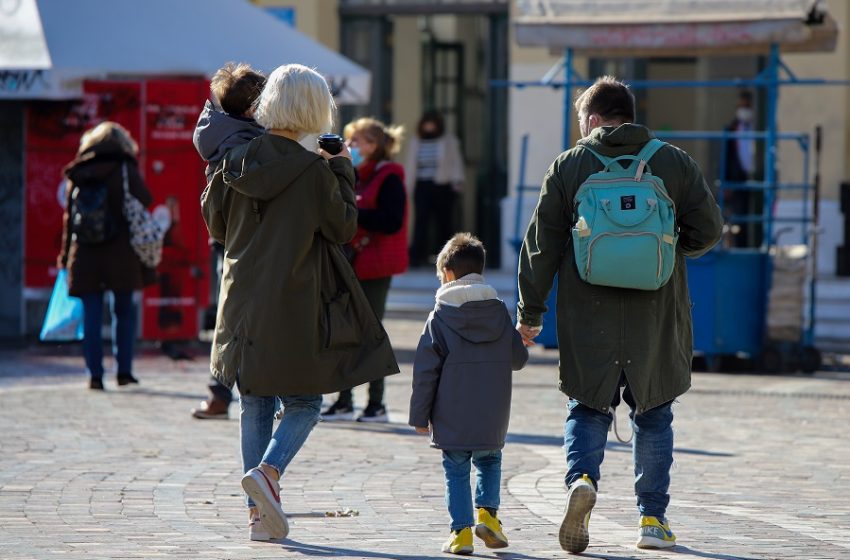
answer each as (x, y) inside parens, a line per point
(379, 249)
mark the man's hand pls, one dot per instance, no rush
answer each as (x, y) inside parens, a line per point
(528, 333)
(421, 430)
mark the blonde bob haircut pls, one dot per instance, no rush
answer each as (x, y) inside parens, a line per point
(109, 131)
(387, 139)
(296, 99)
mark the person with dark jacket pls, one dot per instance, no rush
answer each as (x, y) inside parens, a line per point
(614, 337)
(235, 87)
(379, 249)
(96, 248)
(292, 321)
(462, 389)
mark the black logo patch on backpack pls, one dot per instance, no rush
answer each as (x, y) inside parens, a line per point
(91, 221)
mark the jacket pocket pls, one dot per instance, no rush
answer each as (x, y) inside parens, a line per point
(338, 323)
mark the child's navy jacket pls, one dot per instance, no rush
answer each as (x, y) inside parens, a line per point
(463, 368)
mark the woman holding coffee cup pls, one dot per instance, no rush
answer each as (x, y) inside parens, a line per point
(379, 249)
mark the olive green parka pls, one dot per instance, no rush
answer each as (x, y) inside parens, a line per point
(603, 331)
(292, 318)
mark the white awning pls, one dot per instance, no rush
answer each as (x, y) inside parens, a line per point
(675, 27)
(89, 39)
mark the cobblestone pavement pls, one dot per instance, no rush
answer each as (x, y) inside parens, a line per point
(762, 470)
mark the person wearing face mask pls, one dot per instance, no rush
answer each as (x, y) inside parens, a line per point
(379, 249)
(434, 165)
(741, 167)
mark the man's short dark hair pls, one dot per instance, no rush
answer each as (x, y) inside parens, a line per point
(236, 87)
(608, 98)
(462, 254)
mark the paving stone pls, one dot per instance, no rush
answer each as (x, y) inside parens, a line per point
(762, 470)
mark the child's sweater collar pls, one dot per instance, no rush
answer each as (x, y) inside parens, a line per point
(463, 290)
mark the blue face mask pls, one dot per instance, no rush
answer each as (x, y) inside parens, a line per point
(356, 156)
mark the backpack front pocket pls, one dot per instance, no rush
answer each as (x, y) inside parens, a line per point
(631, 260)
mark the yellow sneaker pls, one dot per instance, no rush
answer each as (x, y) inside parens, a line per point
(489, 530)
(655, 534)
(460, 542)
(581, 497)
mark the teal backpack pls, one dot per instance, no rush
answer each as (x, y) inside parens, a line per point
(625, 231)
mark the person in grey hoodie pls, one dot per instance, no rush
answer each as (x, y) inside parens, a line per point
(235, 88)
(462, 389)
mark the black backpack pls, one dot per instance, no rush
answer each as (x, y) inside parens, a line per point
(91, 220)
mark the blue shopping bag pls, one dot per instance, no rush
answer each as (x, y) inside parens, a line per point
(64, 318)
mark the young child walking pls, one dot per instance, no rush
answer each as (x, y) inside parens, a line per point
(225, 122)
(462, 389)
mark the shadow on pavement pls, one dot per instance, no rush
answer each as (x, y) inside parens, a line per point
(685, 551)
(331, 551)
(526, 439)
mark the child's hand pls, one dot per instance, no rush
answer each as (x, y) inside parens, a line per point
(421, 430)
(528, 333)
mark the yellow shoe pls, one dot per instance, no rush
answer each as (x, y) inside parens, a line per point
(489, 530)
(655, 534)
(460, 542)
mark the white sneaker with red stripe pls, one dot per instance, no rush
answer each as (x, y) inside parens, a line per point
(265, 493)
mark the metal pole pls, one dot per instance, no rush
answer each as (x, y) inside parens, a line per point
(772, 86)
(568, 90)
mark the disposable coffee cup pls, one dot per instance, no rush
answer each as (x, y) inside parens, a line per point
(331, 143)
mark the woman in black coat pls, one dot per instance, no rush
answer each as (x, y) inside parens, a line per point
(96, 249)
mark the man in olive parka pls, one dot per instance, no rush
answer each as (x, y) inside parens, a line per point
(613, 337)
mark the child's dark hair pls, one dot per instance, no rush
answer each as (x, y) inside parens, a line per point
(236, 87)
(462, 254)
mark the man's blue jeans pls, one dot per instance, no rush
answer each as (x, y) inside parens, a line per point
(260, 445)
(123, 331)
(585, 436)
(488, 465)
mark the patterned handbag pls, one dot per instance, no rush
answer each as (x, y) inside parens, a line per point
(146, 234)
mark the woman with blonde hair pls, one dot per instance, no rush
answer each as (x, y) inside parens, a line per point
(292, 323)
(379, 249)
(96, 250)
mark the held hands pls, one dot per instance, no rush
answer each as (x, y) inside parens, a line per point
(343, 153)
(423, 431)
(528, 333)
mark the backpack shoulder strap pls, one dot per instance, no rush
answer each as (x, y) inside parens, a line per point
(605, 160)
(646, 154)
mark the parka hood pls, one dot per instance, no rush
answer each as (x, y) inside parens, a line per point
(97, 163)
(266, 166)
(471, 308)
(612, 141)
(217, 132)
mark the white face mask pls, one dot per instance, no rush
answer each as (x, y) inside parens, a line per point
(744, 114)
(584, 124)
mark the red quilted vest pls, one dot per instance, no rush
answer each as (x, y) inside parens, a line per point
(379, 255)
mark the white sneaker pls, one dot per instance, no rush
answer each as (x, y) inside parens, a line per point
(256, 531)
(266, 495)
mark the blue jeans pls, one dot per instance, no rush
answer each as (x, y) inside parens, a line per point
(260, 445)
(585, 436)
(488, 465)
(123, 331)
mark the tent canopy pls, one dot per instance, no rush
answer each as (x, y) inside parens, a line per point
(676, 27)
(88, 39)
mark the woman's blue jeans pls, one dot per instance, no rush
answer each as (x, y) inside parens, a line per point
(488, 465)
(585, 437)
(123, 331)
(260, 445)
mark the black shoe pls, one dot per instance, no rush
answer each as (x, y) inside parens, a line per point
(127, 379)
(374, 413)
(338, 411)
(96, 384)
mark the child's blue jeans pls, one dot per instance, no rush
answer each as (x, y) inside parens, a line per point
(488, 465)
